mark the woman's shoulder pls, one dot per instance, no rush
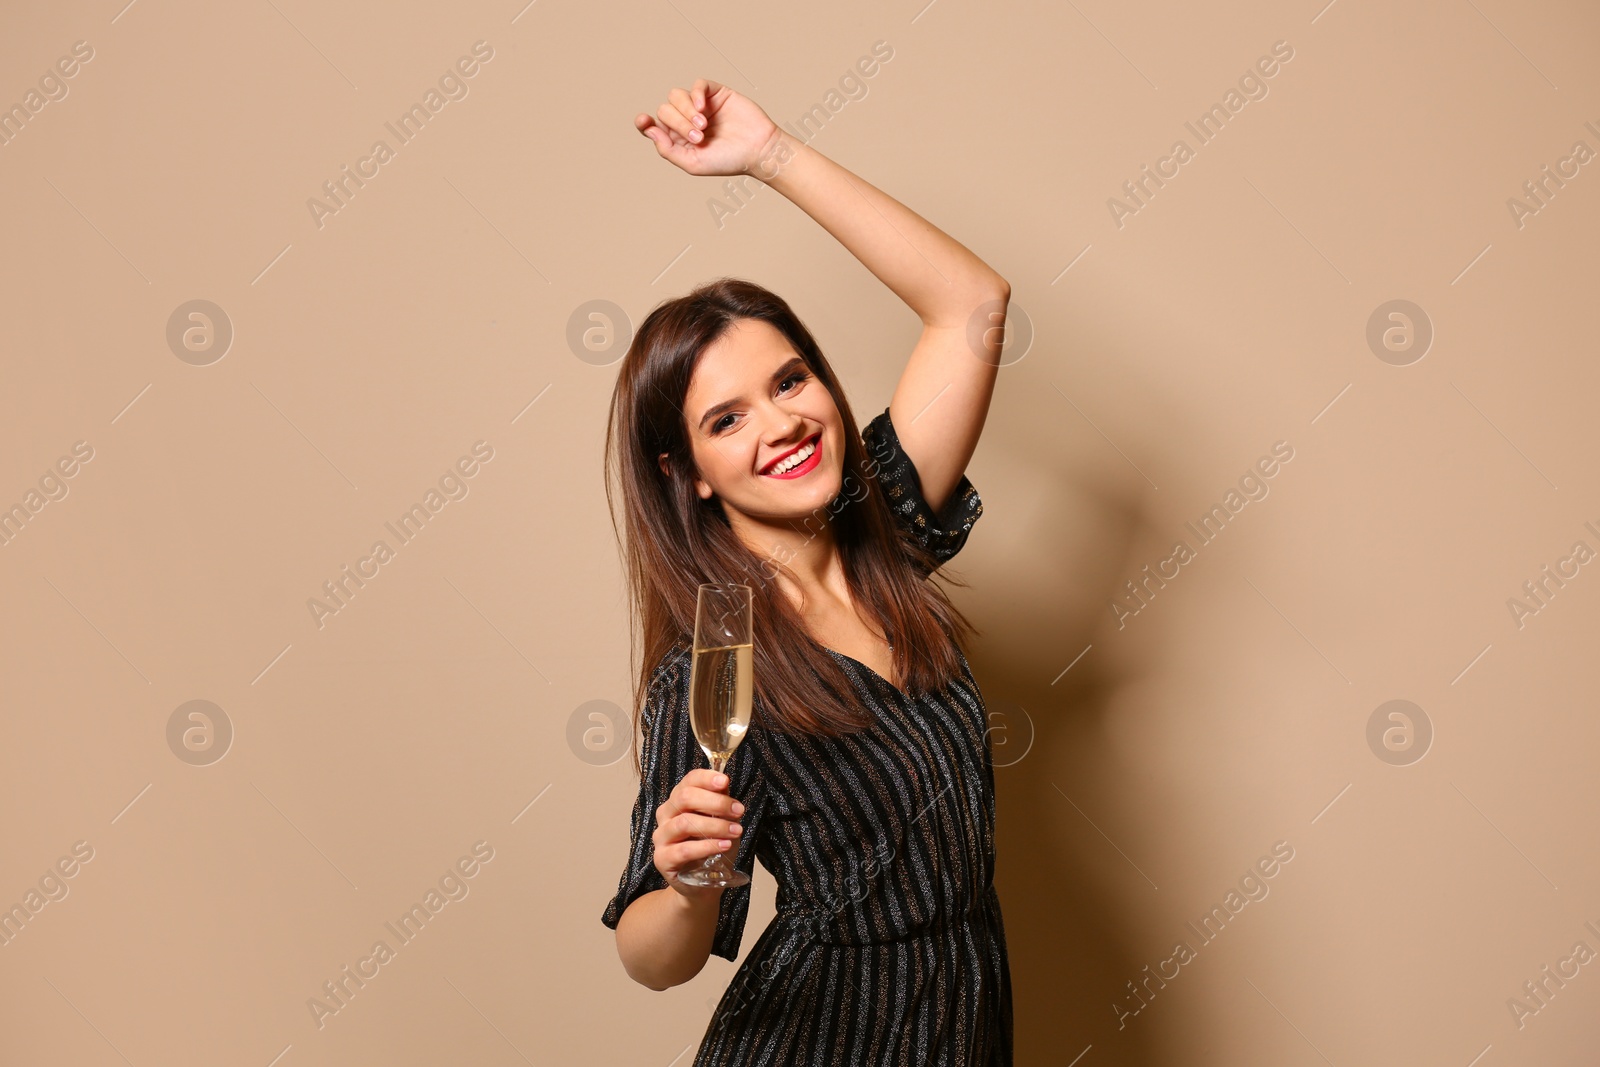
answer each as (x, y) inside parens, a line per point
(941, 533)
(879, 436)
(671, 662)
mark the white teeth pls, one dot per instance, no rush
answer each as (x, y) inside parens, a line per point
(795, 460)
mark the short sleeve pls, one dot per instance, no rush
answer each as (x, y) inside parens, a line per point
(941, 534)
(668, 752)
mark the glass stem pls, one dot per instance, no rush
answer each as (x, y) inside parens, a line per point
(719, 861)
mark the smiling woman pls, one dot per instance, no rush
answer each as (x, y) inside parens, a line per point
(737, 458)
(808, 419)
(733, 359)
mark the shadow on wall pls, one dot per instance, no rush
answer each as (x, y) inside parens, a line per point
(1076, 908)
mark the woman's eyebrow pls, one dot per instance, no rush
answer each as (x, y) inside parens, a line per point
(777, 376)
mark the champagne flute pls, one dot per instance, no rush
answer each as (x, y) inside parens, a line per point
(720, 686)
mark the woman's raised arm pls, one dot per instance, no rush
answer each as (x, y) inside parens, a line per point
(942, 399)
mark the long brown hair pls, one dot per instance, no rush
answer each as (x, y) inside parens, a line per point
(675, 540)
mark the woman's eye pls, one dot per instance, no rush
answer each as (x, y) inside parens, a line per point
(722, 424)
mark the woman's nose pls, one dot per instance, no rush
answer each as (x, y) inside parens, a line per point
(789, 427)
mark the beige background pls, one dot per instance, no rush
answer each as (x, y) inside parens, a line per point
(435, 709)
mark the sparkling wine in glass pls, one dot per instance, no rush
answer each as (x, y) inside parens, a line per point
(721, 681)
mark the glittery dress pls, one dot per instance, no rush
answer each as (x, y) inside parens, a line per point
(887, 946)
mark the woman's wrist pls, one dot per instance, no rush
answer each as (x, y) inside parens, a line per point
(776, 152)
(696, 898)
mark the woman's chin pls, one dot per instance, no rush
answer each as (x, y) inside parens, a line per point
(799, 497)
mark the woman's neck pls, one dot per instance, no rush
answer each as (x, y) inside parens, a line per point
(801, 557)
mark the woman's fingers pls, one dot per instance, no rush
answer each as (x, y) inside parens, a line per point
(698, 816)
(691, 825)
(710, 801)
(704, 89)
(696, 812)
(690, 853)
(680, 855)
(696, 825)
(684, 122)
(685, 104)
(684, 817)
(675, 120)
(651, 129)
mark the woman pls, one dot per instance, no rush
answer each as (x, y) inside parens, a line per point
(865, 784)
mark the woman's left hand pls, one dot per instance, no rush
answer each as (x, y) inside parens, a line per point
(710, 129)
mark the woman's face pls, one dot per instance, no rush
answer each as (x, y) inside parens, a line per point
(752, 401)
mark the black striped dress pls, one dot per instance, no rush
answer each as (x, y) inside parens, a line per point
(888, 946)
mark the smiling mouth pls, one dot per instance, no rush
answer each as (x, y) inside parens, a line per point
(807, 466)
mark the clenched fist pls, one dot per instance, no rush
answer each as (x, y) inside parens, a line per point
(709, 129)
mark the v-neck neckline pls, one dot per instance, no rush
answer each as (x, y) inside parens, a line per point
(897, 690)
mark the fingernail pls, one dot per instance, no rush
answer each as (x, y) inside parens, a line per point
(694, 135)
(738, 808)
(699, 120)
(722, 779)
